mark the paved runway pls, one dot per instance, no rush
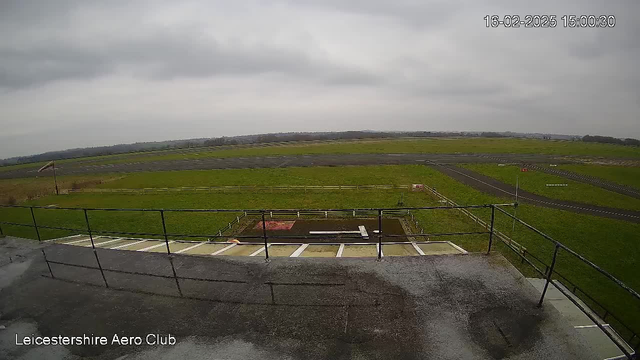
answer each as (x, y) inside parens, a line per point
(497, 188)
(278, 162)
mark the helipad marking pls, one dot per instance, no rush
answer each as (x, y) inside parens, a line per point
(109, 242)
(415, 246)
(155, 246)
(299, 250)
(189, 248)
(336, 232)
(363, 232)
(340, 250)
(223, 249)
(259, 251)
(77, 241)
(125, 245)
(458, 247)
(64, 238)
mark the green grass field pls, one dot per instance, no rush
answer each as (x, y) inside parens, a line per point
(435, 145)
(624, 175)
(30, 188)
(609, 243)
(430, 145)
(345, 175)
(535, 182)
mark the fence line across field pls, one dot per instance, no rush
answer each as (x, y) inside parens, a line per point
(232, 188)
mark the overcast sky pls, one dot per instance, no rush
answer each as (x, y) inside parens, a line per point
(85, 73)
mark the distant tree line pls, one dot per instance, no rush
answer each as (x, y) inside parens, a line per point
(220, 141)
(492, 135)
(285, 137)
(611, 140)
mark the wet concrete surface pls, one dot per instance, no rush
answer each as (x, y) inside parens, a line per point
(495, 187)
(280, 161)
(427, 307)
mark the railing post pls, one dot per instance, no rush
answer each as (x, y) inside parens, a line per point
(48, 265)
(1, 232)
(379, 234)
(264, 236)
(549, 274)
(35, 224)
(93, 246)
(175, 276)
(493, 217)
(164, 231)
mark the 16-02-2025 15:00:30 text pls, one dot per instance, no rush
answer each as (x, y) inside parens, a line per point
(550, 21)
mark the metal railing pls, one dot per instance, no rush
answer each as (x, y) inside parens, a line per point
(525, 256)
(378, 213)
(550, 271)
(263, 213)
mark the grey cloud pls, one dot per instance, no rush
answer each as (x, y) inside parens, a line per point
(421, 14)
(347, 64)
(20, 68)
(163, 56)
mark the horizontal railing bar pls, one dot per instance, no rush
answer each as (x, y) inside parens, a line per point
(582, 258)
(542, 273)
(438, 234)
(262, 210)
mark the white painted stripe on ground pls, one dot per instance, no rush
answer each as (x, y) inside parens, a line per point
(340, 250)
(223, 249)
(415, 246)
(64, 238)
(109, 242)
(155, 246)
(299, 250)
(458, 247)
(125, 245)
(589, 326)
(189, 248)
(363, 232)
(77, 241)
(334, 232)
(259, 250)
(619, 357)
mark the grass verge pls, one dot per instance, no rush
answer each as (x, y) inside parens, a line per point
(535, 182)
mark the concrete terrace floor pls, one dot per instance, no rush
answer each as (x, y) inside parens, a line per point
(428, 307)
